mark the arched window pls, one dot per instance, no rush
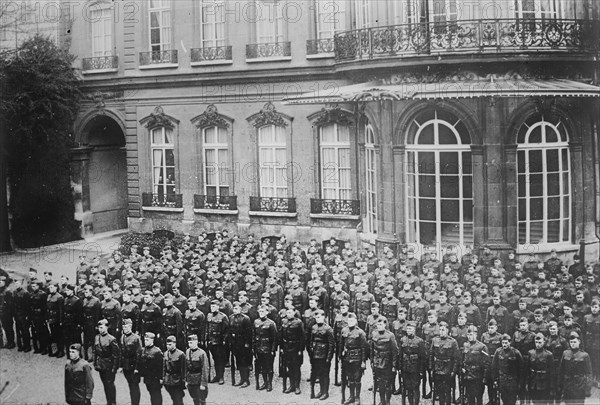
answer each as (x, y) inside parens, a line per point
(439, 186)
(216, 161)
(272, 156)
(163, 161)
(334, 144)
(544, 185)
(370, 180)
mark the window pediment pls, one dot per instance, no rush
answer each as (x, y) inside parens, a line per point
(268, 115)
(330, 115)
(212, 118)
(158, 118)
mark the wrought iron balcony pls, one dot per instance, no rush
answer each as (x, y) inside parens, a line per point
(334, 207)
(273, 204)
(100, 63)
(215, 202)
(320, 46)
(468, 36)
(155, 200)
(268, 50)
(210, 54)
(158, 57)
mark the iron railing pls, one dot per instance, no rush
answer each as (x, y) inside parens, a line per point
(212, 53)
(215, 202)
(158, 57)
(162, 200)
(100, 63)
(320, 46)
(268, 50)
(334, 207)
(468, 36)
(273, 204)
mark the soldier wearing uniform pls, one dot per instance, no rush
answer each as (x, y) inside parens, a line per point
(390, 305)
(6, 314)
(444, 362)
(384, 359)
(418, 308)
(291, 349)
(591, 335)
(492, 340)
(575, 372)
(217, 329)
(39, 329)
(412, 363)
(240, 337)
(507, 368)
(353, 354)
(174, 371)
(111, 311)
(321, 348)
(150, 366)
(130, 310)
(72, 317)
(196, 371)
(264, 348)
(22, 316)
(340, 322)
(107, 357)
(131, 349)
(173, 322)
(195, 320)
(150, 317)
(363, 301)
(55, 314)
(474, 371)
(91, 308)
(540, 370)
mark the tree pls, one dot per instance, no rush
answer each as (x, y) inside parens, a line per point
(38, 105)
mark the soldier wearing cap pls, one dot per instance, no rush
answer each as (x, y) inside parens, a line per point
(492, 340)
(240, 336)
(224, 304)
(273, 314)
(173, 322)
(591, 334)
(37, 308)
(540, 372)
(107, 357)
(390, 305)
(474, 369)
(174, 371)
(194, 320)
(321, 348)
(197, 367)
(22, 316)
(340, 322)
(444, 361)
(363, 301)
(254, 290)
(336, 297)
(131, 349)
(507, 370)
(179, 297)
(55, 314)
(91, 307)
(291, 344)
(384, 360)
(130, 310)
(443, 309)
(111, 311)
(575, 372)
(353, 353)
(150, 367)
(217, 331)
(418, 308)
(264, 348)
(79, 383)
(72, 317)
(6, 314)
(372, 320)
(151, 317)
(299, 296)
(498, 312)
(412, 363)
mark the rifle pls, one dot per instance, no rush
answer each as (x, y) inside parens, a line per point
(343, 380)
(337, 366)
(256, 372)
(232, 362)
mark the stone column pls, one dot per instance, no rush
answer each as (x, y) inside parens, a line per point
(80, 181)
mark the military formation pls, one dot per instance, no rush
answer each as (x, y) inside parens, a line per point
(450, 329)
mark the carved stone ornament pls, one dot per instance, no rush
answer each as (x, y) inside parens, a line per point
(269, 116)
(159, 119)
(210, 118)
(545, 105)
(98, 98)
(334, 114)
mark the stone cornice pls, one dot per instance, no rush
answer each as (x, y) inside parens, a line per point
(158, 118)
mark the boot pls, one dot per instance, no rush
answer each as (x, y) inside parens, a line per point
(312, 389)
(324, 388)
(269, 382)
(382, 394)
(388, 395)
(350, 399)
(264, 385)
(357, 389)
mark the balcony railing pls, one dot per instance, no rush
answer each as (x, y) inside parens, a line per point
(273, 204)
(158, 57)
(320, 46)
(468, 36)
(215, 202)
(162, 200)
(209, 54)
(268, 50)
(100, 63)
(334, 207)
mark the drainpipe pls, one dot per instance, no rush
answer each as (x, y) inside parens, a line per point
(596, 145)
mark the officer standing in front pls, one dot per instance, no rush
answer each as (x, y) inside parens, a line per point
(413, 363)
(540, 372)
(264, 348)
(217, 330)
(321, 348)
(291, 346)
(240, 337)
(174, 371)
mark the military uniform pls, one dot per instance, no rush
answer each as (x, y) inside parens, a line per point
(384, 359)
(417, 312)
(79, 383)
(321, 349)
(291, 351)
(55, 314)
(363, 303)
(39, 329)
(111, 311)
(72, 319)
(353, 344)
(475, 366)
(6, 317)
(444, 361)
(507, 366)
(174, 374)
(131, 349)
(574, 376)
(195, 323)
(389, 308)
(492, 343)
(131, 311)
(240, 337)
(540, 381)
(107, 355)
(340, 322)
(151, 320)
(91, 315)
(197, 374)
(150, 366)
(173, 325)
(22, 320)
(412, 366)
(217, 329)
(591, 338)
(264, 348)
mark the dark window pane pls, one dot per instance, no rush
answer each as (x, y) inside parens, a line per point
(467, 187)
(410, 162)
(522, 232)
(566, 207)
(427, 209)
(468, 210)
(449, 186)
(427, 186)
(522, 209)
(426, 136)
(170, 157)
(450, 211)
(224, 191)
(565, 235)
(536, 209)
(426, 162)
(446, 135)
(565, 159)
(535, 136)
(427, 231)
(522, 180)
(553, 184)
(536, 232)
(565, 183)
(449, 163)
(554, 208)
(553, 231)
(552, 160)
(551, 135)
(211, 190)
(521, 161)
(450, 233)
(536, 187)
(467, 164)
(535, 161)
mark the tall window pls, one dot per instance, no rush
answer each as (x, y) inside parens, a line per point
(163, 161)
(363, 13)
(334, 141)
(160, 25)
(331, 17)
(272, 155)
(216, 161)
(101, 20)
(439, 186)
(371, 179)
(407, 11)
(213, 23)
(544, 186)
(270, 24)
(443, 13)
